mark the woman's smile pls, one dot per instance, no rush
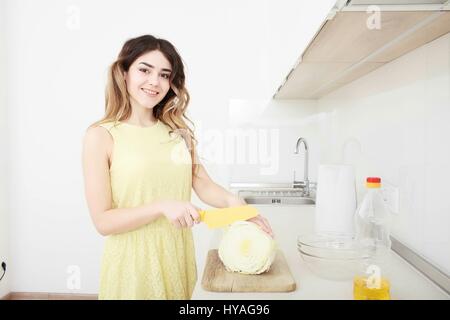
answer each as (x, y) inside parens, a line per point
(150, 93)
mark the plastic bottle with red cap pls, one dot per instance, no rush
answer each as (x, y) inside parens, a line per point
(373, 219)
(372, 225)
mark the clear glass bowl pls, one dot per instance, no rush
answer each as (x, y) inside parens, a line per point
(332, 246)
(332, 256)
(333, 268)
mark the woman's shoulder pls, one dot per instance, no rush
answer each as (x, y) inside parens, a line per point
(98, 133)
(98, 138)
(105, 129)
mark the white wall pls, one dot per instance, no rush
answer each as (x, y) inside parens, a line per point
(394, 123)
(57, 70)
(4, 172)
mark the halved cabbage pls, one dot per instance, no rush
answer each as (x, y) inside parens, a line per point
(246, 248)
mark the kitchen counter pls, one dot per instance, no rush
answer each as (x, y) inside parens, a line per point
(288, 222)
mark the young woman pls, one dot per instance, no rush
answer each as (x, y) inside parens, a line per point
(139, 165)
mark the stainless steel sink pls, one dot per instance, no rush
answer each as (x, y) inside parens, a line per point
(279, 200)
(295, 193)
(273, 194)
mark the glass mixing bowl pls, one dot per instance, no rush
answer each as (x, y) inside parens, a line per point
(332, 256)
(330, 245)
(333, 268)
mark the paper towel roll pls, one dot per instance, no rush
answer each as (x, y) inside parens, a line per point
(335, 199)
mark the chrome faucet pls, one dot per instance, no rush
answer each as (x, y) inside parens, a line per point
(305, 182)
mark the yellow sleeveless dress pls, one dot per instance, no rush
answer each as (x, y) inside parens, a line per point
(155, 261)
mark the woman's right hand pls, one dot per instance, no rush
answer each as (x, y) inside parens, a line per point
(182, 214)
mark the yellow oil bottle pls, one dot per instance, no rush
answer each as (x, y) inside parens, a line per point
(372, 222)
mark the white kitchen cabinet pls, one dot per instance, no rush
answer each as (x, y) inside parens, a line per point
(290, 27)
(354, 41)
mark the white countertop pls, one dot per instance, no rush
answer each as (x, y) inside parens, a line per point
(288, 222)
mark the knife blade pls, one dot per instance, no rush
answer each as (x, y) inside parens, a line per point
(217, 218)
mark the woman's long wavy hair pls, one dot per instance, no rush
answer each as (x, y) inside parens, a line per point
(171, 110)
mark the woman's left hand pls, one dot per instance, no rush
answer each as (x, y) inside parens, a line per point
(259, 219)
(263, 223)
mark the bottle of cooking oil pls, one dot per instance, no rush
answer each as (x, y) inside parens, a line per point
(372, 224)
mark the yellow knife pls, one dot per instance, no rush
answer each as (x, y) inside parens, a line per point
(217, 218)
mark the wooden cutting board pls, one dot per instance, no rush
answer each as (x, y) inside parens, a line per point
(216, 278)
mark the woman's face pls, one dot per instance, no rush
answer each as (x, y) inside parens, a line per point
(148, 79)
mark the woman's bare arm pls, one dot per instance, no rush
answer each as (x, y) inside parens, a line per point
(217, 196)
(212, 193)
(98, 189)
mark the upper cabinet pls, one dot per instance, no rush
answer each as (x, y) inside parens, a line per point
(358, 37)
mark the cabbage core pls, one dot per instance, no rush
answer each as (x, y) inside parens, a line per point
(246, 248)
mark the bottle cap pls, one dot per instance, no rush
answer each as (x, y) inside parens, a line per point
(373, 182)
